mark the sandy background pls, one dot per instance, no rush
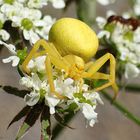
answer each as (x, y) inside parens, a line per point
(112, 124)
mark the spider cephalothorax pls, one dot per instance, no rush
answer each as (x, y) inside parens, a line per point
(70, 47)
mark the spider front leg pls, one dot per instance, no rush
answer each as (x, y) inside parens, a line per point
(52, 57)
(50, 78)
(92, 72)
(48, 48)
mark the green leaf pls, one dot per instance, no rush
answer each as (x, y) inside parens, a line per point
(86, 11)
(20, 115)
(30, 120)
(22, 130)
(122, 108)
(15, 91)
(44, 127)
(45, 124)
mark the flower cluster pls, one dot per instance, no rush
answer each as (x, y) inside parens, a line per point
(123, 34)
(75, 98)
(84, 100)
(27, 16)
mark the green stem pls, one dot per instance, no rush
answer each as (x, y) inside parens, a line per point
(121, 108)
(132, 87)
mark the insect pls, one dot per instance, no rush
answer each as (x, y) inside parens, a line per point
(71, 46)
(130, 21)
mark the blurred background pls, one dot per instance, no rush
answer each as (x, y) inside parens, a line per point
(112, 125)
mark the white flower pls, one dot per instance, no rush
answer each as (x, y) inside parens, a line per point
(32, 98)
(101, 22)
(31, 36)
(37, 64)
(26, 81)
(10, 47)
(4, 35)
(106, 2)
(51, 102)
(58, 3)
(131, 70)
(37, 85)
(37, 3)
(46, 23)
(89, 114)
(94, 96)
(103, 33)
(110, 13)
(137, 9)
(65, 87)
(14, 59)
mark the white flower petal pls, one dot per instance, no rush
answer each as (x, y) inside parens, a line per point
(10, 47)
(68, 81)
(137, 9)
(4, 34)
(26, 81)
(110, 13)
(131, 71)
(101, 22)
(34, 37)
(26, 34)
(32, 98)
(51, 102)
(103, 33)
(14, 59)
(89, 114)
(58, 4)
(106, 2)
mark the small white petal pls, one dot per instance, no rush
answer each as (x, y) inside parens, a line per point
(101, 22)
(106, 2)
(131, 71)
(103, 33)
(32, 98)
(10, 47)
(26, 81)
(89, 114)
(4, 34)
(110, 13)
(51, 102)
(40, 63)
(137, 9)
(58, 4)
(14, 59)
(26, 34)
(31, 64)
(68, 81)
(34, 37)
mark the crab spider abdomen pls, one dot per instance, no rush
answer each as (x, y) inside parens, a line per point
(72, 36)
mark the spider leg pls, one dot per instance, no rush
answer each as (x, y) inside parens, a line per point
(50, 49)
(50, 78)
(92, 72)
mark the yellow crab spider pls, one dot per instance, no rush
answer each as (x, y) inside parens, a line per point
(71, 46)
